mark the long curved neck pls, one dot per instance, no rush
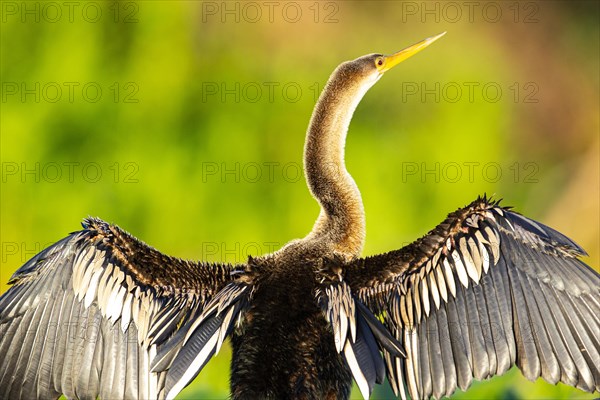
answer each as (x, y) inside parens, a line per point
(341, 222)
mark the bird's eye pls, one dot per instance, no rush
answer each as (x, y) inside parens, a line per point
(379, 61)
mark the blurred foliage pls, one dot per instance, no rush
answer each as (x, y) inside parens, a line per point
(142, 154)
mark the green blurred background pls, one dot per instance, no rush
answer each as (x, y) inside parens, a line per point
(183, 122)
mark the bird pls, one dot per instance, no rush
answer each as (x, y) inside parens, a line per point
(100, 314)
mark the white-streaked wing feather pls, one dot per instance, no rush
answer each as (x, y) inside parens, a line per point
(504, 273)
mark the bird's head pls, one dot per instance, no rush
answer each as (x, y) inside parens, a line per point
(366, 70)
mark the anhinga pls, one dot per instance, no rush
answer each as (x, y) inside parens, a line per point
(100, 313)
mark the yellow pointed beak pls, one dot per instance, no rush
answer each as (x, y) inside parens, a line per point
(391, 61)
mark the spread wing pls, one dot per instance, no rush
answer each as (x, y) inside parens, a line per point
(88, 315)
(483, 291)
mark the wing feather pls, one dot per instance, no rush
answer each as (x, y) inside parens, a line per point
(497, 331)
(359, 335)
(480, 361)
(436, 367)
(457, 338)
(463, 322)
(485, 330)
(423, 365)
(35, 348)
(485, 290)
(84, 316)
(24, 353)
(447, 359)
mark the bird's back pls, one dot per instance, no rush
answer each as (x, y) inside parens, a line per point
(285, 348)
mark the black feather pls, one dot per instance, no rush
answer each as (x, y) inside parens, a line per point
(424, 384)
(436, 359)
(447, 360)
(383, 336)
(188, 352)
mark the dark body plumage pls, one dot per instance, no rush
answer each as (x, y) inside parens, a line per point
(101, 314)
(286, 348)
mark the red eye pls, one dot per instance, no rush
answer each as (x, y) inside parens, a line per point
(380, 62)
